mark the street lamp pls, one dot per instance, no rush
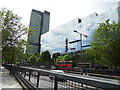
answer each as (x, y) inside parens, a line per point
(80, 33)
(80, 37)
(81, 42)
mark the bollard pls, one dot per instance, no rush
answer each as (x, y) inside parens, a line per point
(38, 79)
(29, 74)
(56, 84)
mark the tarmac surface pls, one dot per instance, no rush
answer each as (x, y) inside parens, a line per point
(7, 81)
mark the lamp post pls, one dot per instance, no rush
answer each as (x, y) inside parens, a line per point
(80, 38)
(81, 42)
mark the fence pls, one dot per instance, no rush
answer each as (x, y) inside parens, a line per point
(46, 79)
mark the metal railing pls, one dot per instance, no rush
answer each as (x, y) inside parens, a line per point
(45, 79)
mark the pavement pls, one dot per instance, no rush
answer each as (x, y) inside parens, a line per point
(7, 81)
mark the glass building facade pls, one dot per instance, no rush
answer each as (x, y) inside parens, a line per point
(54, 40)
(39, 21)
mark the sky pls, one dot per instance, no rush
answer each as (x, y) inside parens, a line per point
(61, 11)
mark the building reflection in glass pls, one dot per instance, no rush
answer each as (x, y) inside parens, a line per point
(54, 40)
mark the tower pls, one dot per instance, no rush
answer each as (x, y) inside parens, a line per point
(39, 22)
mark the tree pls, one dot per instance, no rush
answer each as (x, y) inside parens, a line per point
(68, 57)
(39, 59)
(60, 58)
(13, 45)
(56, 55)
(45, 57)
(0, 40)
(32, 59)
(106, 43)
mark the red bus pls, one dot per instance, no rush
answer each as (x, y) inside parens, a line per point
(66, 65)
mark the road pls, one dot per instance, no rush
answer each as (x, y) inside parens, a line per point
(45, 82)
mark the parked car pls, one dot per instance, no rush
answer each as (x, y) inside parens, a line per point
(59, 79)
(42, 66)
(27, 73)
(77, 69)
(53, 67)
(34, 73)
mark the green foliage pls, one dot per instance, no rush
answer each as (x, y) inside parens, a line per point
(32, 59)
(38, 59)
(12, 31)
(60, 58)
(56, 55)
(67, 57)
(45, 57)
(87, 56)
(106, 44)
(0, 38)
(30, 33)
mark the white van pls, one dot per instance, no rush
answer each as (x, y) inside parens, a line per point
(59, 79)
